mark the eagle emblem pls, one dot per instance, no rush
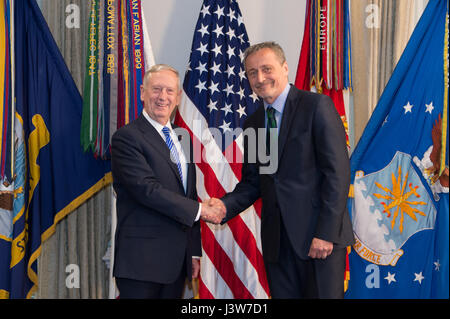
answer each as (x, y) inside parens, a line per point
(430, 164)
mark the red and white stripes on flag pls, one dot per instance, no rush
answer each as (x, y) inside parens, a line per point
(217, 95)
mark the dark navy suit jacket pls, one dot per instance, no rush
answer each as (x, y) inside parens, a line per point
(156, 231)
(309, 190)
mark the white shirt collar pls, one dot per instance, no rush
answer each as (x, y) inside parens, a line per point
(280, 101)
(182, 158)
(156, 124)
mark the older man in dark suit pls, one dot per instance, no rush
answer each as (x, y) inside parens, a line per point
(305, 225)
(158, 233)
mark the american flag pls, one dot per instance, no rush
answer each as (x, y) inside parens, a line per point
(217, 98)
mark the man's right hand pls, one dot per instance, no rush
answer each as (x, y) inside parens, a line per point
(213, 211)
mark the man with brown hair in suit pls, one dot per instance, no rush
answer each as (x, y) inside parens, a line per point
(305, 225)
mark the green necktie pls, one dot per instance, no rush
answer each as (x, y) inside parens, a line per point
(271, 123)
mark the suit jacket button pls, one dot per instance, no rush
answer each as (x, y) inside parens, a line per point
(184, 228)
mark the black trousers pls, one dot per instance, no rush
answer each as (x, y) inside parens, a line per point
(291, 277)
(136, 289)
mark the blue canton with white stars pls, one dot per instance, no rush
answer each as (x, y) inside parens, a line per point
(215, 80)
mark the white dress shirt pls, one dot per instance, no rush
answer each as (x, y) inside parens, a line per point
(184, 165)
(278, 106)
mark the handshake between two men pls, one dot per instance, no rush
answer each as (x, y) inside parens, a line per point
(213, 211)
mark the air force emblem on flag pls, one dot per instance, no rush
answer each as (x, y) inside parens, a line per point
(399, 202)
(390, 206)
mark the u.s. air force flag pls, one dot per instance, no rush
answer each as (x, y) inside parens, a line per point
(399, 197)
(53, 175)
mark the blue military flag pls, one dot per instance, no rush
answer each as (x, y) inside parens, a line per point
(400, 201)
(53, 175)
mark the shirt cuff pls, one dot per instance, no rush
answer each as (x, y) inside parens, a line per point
(199, 212)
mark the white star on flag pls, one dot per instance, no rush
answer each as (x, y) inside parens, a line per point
(201, 86)
(213, 87)
(203, 48)
(254, 96)
(241, 93)
(429, 107)
(241, 111)
(227, 109)
(212, 106)
(242, 74)
(419, 277)
(231, 15)
(408, 108)
(218, 31)
(203, 30)
(217, 49)
(229, 71)
(225, 126)
(230, 52)
(390, 278)
(201, 68)
(215, 68)
(205, 11)
(437, 265)
(229, 89)
(219, 12)
(231, 34)
(241, 55)
(239, 19)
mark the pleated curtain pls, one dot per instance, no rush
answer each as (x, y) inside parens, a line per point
(81, 239)
(380, 32)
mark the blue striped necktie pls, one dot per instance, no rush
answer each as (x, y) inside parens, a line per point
(173, 150)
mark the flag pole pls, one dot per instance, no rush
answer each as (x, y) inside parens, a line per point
(13, 98)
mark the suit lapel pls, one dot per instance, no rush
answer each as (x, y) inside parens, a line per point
(154, 138)
(286, 121)
(189, 156)
(260, 116)
(190, 185)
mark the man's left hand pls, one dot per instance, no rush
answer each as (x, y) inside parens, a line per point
(320, 248)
